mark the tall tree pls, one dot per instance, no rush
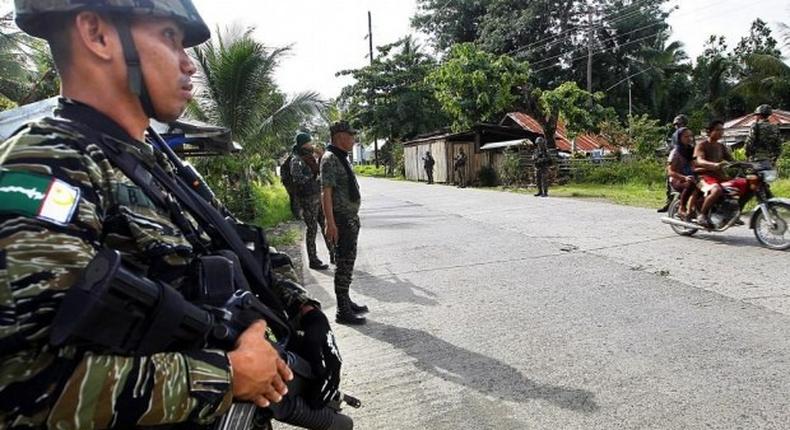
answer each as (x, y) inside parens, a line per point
(237, 90)
(473, 85)
(390, 98)
(450, 21)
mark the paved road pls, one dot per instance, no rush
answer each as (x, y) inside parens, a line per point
(495, 310)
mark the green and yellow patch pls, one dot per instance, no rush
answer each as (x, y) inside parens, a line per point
(37, 196)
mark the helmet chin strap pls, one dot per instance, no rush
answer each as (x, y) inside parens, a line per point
(134, 70)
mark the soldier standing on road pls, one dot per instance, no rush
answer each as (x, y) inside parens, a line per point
(428, 163)
(460, 168)
(287, 180)
(121, 62)
(679, 122)
(340, 199)
(764, 141)
(304, 174)
(542, 160)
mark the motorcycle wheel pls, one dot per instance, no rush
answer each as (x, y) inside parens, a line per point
(777, 236)
(673, 213)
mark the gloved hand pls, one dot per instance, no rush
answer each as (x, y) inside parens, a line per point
(320, 349)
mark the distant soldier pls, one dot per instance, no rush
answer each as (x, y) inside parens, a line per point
(304, 174)
(460, 168)
(341, 199)
(542, 160)
(287, 180)
(679, 122)
(428, 164)
(764, 141)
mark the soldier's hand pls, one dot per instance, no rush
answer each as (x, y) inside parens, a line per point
(259, 374)
(331, 233)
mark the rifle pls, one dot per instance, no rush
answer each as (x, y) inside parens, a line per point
(149, 317)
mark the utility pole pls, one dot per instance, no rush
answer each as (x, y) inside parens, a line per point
(589, 51)
(630, 106)
(370, 44)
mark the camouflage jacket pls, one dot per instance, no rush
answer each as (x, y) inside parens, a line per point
(60, 205)
(334, 175)
(764, 142)
(304, 180)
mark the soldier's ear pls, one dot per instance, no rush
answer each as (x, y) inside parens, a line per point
(96, 35)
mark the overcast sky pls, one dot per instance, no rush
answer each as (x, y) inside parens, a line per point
(329, 35)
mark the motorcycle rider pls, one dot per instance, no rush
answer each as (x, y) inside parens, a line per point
(679, 122)
(710, 158)
(681, 172)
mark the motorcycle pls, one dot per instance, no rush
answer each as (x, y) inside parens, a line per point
(769, 220)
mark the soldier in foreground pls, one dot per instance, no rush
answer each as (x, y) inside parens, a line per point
(764, 141)
(340, 199)
(304, 174)
(65, 198)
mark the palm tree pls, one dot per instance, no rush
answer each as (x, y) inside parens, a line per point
(237, 90)
(767, 81)
(666, 67)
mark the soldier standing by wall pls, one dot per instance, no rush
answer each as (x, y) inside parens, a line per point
(764, 141)
(542, 159)
(460, 168)
(341, 199)
(428, 163)
(304, 174)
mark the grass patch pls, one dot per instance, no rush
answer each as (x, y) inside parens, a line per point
(627, 194)
(272, 206)
(287, 237)
(370, 170)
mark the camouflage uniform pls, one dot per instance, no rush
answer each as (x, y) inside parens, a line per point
(346, 212)
(308, 195)
(542, 160)
(42, 253)
(764, 142)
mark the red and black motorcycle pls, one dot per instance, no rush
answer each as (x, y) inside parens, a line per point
(769, 220)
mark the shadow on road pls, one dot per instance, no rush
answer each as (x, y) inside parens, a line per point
(392, 289)
(475, 371)
(730, 240)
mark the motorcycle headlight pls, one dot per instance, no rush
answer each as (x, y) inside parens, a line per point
(770, 175)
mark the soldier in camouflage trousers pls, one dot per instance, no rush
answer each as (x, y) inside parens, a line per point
(304, 174)
(340, 199)
(63, 200)
(764, 141)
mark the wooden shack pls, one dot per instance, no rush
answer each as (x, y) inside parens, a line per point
(444, 146)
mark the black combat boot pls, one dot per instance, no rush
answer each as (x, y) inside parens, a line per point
(345, 315)
(318, 265)
(358, 309)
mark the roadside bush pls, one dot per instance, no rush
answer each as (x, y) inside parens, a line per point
(271, 204)
(644, 171)
(512, 173)
(487, 177)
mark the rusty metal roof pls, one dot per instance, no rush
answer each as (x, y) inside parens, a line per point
(584, 142)
(779, 117)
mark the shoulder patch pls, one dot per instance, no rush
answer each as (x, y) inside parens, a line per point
(37, 196)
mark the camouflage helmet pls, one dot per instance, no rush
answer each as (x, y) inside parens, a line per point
(681, 120)
(764, 110)
(31, 15)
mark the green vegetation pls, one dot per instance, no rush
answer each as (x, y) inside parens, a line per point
(271, 202)
(289, 236)
(370, 170)
(624, 194)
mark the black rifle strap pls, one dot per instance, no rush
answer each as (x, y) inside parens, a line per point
(208, 216)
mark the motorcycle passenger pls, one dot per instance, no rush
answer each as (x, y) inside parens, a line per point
(681, 172)
(710, 158)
